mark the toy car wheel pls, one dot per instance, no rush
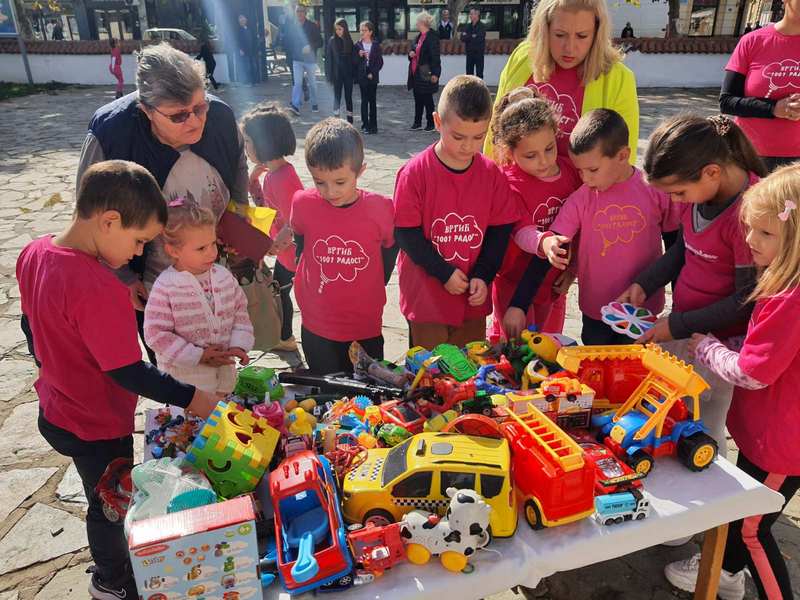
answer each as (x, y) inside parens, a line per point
(640, 516)
(550, 398)
(533, 516)
(110, 513)
(641, 462)
(697, 451)
(608, 522)
(572, 398)
(378, 517)
(618, 520)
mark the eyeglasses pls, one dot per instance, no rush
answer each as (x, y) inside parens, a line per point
(198, 111)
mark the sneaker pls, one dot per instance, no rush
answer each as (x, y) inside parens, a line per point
(678, 541)
(683, 575)
(315, 108)
(294, 109)
(416, 126)
(287, 345)
(123, 590)
(430, 127)
(336, 113)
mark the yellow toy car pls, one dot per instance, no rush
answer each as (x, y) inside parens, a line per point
(416, 474)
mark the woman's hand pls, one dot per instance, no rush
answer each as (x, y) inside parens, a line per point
(412, 54)
(658, 333)
(788, 108)
(369, 75)
(635, 295)
(202, 404)
(514, 321)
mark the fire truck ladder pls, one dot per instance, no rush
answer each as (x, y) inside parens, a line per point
(561, 448)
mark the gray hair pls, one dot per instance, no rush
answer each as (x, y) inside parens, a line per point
(167, 75)
(426, 18)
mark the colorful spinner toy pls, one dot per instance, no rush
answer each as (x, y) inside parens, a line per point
(628, 319)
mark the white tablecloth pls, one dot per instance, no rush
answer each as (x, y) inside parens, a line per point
(682, 502)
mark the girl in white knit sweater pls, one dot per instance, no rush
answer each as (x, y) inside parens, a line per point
(196, 318)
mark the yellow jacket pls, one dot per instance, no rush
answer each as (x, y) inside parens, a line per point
(615, 90)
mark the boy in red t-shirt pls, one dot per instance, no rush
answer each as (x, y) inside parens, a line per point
(345, 244)
(81, 329)
(454, 213)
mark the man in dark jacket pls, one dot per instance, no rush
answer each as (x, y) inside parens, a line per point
(474, 37)
(303, 41)
(445, 26)
(247, 51)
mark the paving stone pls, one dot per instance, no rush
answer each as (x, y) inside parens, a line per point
(67, 585)
(16, 242)
(71, 488)
(19, 436)
(43, 533)
(12, 595)
(16, 377)
(10, 334)
(19, 484)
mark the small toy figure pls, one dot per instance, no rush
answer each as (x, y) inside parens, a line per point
(259, 382)
(366, 367)
(454, 538)
(301, 423)
(628, 505)
(228, 581)
(391, 435)
(229, 564)
(194, 573)
(274, 415)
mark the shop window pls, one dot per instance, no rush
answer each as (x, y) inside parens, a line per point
(511, 21)
(488, 18)
(703, 17)
(349, 15)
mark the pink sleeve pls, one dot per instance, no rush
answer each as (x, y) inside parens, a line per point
(773, 339)
(528, 238)
(407, 200)
(282, 198)
(97, 314)
(568, 220)
(296, 214)
(725, 362)
(159, 331)
(740, 59)
(242, 332)
(742, 256)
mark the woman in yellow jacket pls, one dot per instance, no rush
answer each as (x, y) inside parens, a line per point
(569, 58)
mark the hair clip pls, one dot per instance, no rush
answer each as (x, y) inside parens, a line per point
(722, 124)
(175, 202)
(788, 208)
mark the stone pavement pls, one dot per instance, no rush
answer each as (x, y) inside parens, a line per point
(42, 538)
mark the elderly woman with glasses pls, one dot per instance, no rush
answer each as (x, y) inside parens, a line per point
(186, 138)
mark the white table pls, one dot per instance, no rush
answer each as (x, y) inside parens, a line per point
(682, 503)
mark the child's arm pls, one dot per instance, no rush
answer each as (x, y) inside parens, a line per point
(242, 332)
(495, 242)
(159, 331)
(712, 353)
(389, 256)
(514, 319)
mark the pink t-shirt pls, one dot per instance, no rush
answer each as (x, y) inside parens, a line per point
(83, 325)
(277, 189)
(712, 255)
(770, 62)
(620, 234)
(454, 210)
(565, 90)
(765, 423)
(339, 282)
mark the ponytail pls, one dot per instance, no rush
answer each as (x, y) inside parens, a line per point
(682, 146)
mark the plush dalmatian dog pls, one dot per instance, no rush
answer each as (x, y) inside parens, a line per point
(464, 529)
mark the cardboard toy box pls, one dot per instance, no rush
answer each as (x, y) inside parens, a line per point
(205, 553)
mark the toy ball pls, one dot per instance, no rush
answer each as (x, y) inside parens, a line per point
(308, 405)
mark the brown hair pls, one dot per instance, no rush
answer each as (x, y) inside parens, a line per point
(601, 126)
(125, 187)
(185, 214)
(332, 143)
(468, 97)
(345, 42)
(270, 130)
(519, 113)
(682, 146)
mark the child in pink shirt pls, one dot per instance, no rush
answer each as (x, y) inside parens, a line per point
(345, 240)
(617, 218)
(196, 318)
(764, 417)
(268, 140)
(704, 164)
(524, 128)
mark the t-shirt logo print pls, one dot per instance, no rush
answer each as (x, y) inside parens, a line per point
(339, 259)
(546, 212)
(565, 104)
(785, 73)
(618, 224)
(454, 236)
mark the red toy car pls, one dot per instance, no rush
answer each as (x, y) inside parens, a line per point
(403, 413)
(115, 489)
(612, 475)
(452, 392)
(376, 549)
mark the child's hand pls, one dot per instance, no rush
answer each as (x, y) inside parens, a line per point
(562, 283)
(477, 292)
(695, 342)
(658, 333)
(555, 254)
(281, 241)
(216, 356)
(635, 295)
(202, 404)
(514, 321)
(138, 294)
(458, 283)
(240, 354)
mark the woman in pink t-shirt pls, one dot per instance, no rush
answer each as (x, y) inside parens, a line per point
(115, 66)
(762, 88)
(764, 418)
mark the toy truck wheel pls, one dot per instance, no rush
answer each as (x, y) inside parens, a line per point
(378, 518)
(641, 462)
(533, 516)
(697, 451)
(453, 561)
(417, 554)
(640, 516)
(609, 521)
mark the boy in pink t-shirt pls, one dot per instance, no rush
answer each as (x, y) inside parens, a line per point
(617, 219)
(345, 241)
(454, 213)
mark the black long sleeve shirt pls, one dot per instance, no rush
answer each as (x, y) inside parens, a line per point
(732, 99)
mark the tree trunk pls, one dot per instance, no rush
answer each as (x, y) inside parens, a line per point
(673, 15)
(455, 7)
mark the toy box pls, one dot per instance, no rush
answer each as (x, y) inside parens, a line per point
(206, 552)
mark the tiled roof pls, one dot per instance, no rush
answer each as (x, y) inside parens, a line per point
(10, 46)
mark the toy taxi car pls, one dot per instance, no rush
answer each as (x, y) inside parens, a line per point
(417, 473)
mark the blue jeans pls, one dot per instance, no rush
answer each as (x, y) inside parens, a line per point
(301, 69)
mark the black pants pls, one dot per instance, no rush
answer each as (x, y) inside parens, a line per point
(326, 356)
(475, 65)
(750, 541)
(343, 84)
(773, 162)
(597, 333)
(369, 105)
(423, 102)
(284, 278)
(107, 541)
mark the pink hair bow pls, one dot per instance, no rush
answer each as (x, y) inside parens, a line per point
(790, 206)
(176, 202)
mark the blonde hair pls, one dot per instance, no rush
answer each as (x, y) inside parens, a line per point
(521, 112)
(777, 194)
(426, 18)
(602, 54)
(185, 214)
